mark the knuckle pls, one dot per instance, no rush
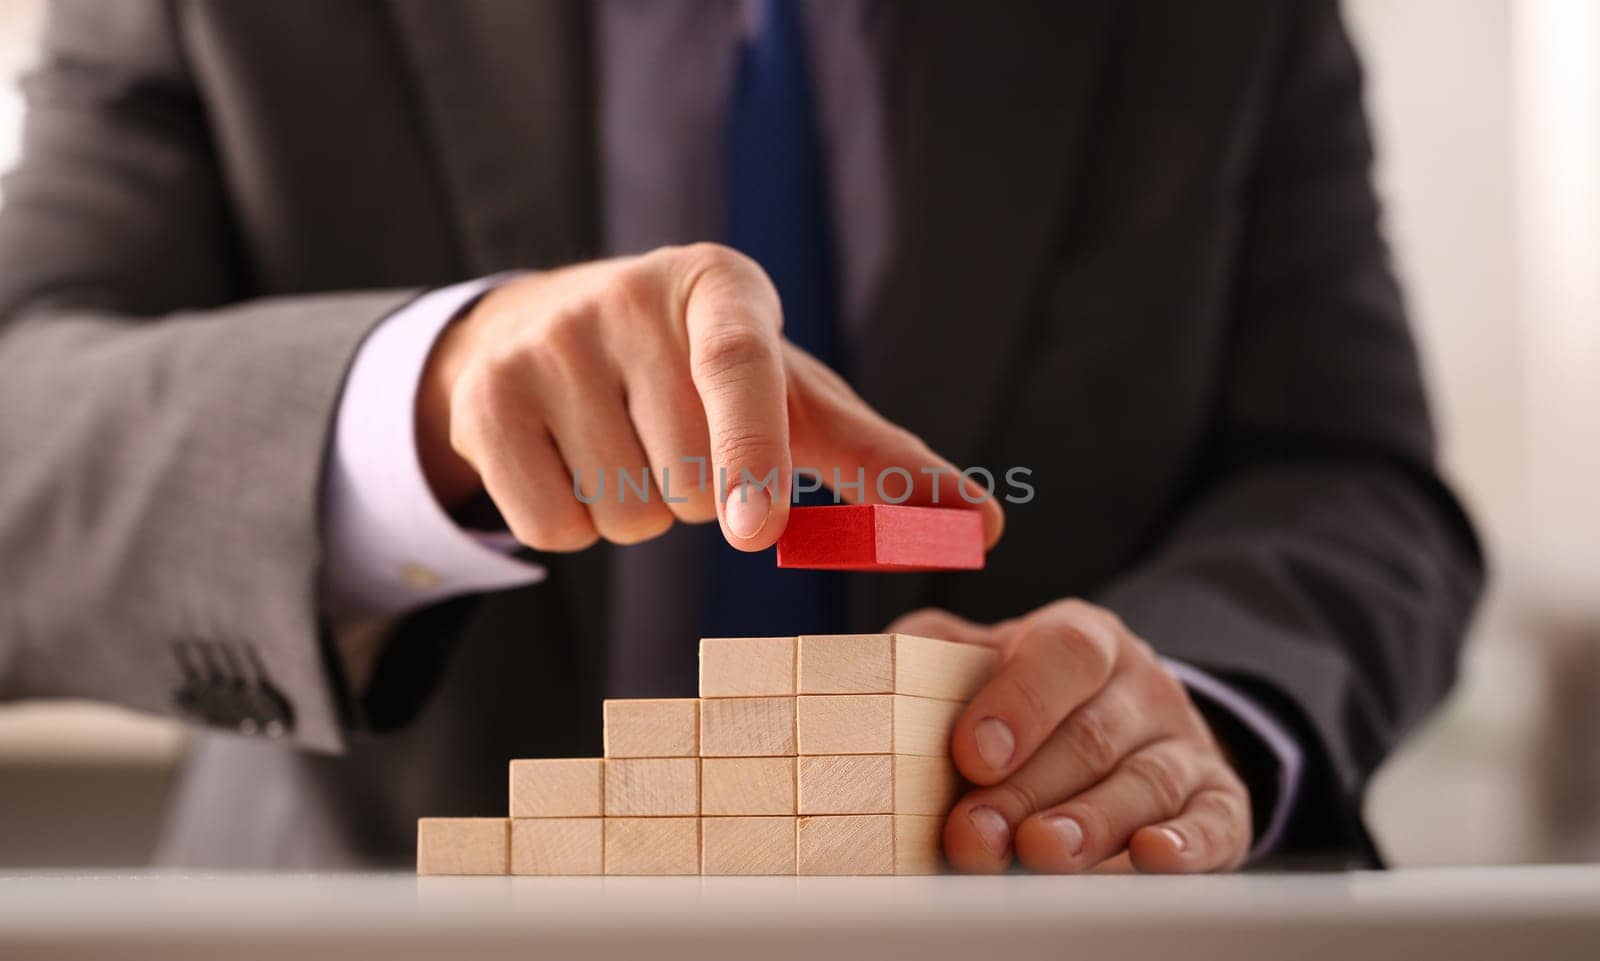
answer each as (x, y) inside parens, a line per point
(560, 334)
(1014, 797)
(1224, 820)
(1083, 649)
(1236, 793)
(1075, 607)
(1092, 739)
(1229, 800)
(722, 268)
(641, 522)
(1104, 622)
(558, 535)
(1095, 623)
(497, 382)
(482, 401)
(731, 348)
(1160, 777)
(709, 257)
(475, 397)
(925, 621)
(1140, 647)
(631, 292)
(1031, 705)
(695, 509)
(723, 271)
(1201, 834)
(692, 500)
(1228, 805)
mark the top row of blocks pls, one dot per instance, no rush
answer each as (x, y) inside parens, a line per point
(842, 664)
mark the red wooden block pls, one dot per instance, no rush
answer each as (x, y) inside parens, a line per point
(882, 537)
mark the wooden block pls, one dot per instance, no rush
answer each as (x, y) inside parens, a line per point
(463, 845)
(747, 727)
(652, 845)
(746, 666)
(925, 785)
(844, 724)
(922, 725)
(882, 537)
(558, 787)
(854, 844)
(874, 724)
(876, 784)
(846, 663)
(557, 846)
(845, 844)
(846, 784)
(747, 845)
(652, 727)
(918, 844)
(892, 664)
(747, 786)
(652, 786)
(927, 667)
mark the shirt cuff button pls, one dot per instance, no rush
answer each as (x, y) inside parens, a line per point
(418, 577)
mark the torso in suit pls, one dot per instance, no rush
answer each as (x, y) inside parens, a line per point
(1134, 247)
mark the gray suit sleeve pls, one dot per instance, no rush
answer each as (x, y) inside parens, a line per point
(1321, 566)
(162, 445)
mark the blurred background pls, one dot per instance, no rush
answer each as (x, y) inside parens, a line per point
(1487, 115)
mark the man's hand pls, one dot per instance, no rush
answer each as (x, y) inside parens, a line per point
(1086, 749)
(649, 362)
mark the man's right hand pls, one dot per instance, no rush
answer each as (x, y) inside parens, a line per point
(650, 361)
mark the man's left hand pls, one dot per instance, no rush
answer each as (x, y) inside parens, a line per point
(1087, 753)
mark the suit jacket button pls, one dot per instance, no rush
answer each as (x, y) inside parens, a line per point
(269, 710)
(224, 705)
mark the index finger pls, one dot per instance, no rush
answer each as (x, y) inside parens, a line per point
(733, 320)
(839, 434)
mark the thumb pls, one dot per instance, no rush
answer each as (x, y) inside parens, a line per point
(866, 458)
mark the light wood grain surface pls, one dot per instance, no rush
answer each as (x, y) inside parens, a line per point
(652, 727)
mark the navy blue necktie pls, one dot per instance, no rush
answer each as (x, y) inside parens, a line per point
(777, 213)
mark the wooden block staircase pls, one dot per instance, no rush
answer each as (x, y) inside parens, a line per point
(812, 755)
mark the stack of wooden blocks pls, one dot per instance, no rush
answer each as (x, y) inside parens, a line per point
(822, 754)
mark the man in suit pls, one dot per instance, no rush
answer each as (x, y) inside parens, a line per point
(312, 310)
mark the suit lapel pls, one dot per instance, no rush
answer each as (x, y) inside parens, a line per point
(988, 113)
(505, 91)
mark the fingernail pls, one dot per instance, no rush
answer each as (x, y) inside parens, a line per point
(1178, 843)
(1068, 830)
(996, 743)
(747, 508)
(992, 829)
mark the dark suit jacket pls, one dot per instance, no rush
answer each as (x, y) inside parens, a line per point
(1136, 249)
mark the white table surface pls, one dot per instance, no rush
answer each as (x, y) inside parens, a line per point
(1528, 914)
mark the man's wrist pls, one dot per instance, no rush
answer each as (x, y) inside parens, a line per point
(450, 477)
(390, 545)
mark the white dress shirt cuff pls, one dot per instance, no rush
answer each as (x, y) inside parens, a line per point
(390, 546)
(1273, 736)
